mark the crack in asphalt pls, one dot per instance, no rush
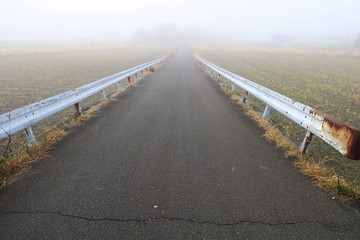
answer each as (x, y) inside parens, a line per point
(339, 228)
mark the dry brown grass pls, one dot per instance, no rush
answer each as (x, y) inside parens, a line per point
(273, 134)
(18, 165)
(235, 98)
(319, 173)
(147, 74)
(227, 91)
(136, 81)
(328, 179)
(131, 84)
(83, 117)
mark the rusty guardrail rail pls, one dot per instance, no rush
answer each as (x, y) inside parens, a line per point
(343, 138)
(23, 118)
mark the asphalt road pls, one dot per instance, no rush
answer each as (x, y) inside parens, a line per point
(171, 159)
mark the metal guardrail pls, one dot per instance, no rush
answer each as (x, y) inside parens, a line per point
(23, 118)
(343, 138)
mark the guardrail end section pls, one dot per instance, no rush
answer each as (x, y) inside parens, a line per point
(343, 138)
(353, 150)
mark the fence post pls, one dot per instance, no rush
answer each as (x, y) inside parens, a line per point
(30, 136)
(304, 149)
(103, 95)
(266, 112)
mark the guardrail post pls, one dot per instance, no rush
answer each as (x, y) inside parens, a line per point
(103, 95)
(233, 87)
(78, 108)
(218, 77)
(266, 112)
(304, 149)
(129, 79)
(136, 75)
(224, 82)
(30, 136)
(119, 88)
(246, 96)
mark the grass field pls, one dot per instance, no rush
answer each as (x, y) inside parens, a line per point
(35, 75)
(31, 74)
(326, 80)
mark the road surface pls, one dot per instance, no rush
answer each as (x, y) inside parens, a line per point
(172, 158)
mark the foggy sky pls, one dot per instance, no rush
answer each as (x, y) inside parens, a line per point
(114, 20)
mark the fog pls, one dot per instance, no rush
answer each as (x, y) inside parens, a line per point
(202, 21)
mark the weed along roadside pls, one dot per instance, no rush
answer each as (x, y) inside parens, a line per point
(315, 167)
(331, 87)
(16, 159)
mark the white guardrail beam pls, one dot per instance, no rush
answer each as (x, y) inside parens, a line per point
(343, 138)
(23, 118)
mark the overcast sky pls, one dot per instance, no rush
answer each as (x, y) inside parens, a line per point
(113, 20)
